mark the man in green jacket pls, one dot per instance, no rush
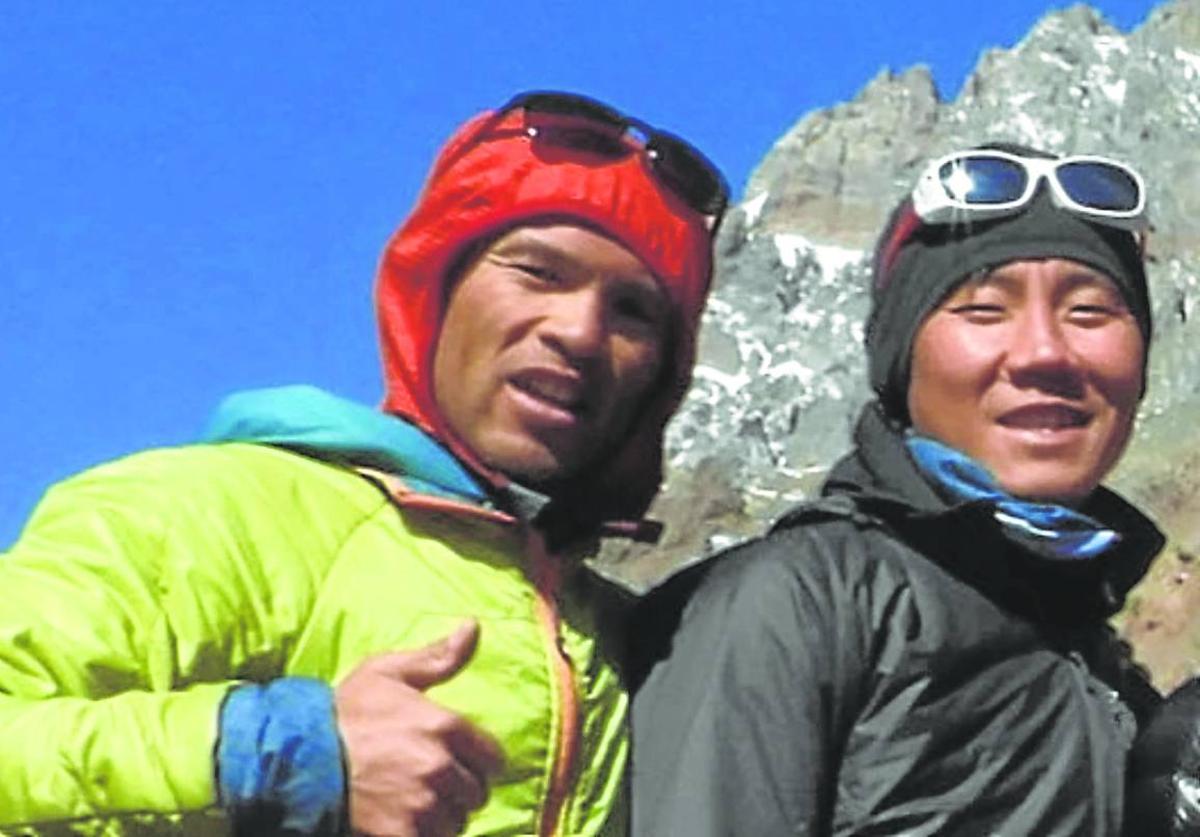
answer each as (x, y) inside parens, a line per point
(329, 618)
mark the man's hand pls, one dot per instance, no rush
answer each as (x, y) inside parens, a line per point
(415, 768)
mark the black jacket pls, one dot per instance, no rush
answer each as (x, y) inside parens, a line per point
(884, 663)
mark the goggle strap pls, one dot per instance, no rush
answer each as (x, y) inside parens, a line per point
(906, 223)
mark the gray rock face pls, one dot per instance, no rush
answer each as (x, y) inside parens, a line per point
(782, 374)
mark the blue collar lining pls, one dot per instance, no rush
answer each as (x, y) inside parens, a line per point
(1047, 528)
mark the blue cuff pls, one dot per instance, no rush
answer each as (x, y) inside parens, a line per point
(279, 758)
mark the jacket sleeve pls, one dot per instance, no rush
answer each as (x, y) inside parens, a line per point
(1163, 795)
(132, 604)
(736, 727)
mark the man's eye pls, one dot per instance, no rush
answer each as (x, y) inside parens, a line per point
(641, 311)
(538, 271)
(1092, 314)
(980, 310)
(633, 310)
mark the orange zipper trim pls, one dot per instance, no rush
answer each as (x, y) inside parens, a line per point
(405, 497)
(547, 582)
(546, 573)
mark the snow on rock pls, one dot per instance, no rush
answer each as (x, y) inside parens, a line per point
(753, 207)
(1115, 91)
(1190, 62)
(831, 258)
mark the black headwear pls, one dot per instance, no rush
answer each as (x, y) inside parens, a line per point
(931, 260)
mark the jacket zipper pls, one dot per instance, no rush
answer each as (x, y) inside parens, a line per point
(567, 734)
(546, 583)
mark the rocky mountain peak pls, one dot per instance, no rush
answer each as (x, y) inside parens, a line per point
(781, 376)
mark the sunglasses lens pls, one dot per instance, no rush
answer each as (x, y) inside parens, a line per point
(586, 139)
(592, 127)
(1100, 186)
(589, 127)
(980, 180)
(689, 174)
(564, 104)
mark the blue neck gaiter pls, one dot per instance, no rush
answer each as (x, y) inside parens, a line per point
(1047, 528)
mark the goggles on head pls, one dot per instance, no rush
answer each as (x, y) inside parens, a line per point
(579, 123)
(989, 183)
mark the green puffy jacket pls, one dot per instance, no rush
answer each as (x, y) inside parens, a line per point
(142, 591)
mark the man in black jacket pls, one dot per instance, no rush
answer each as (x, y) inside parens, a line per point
(925, 650)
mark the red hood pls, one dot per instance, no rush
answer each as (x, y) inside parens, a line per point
(489, 177)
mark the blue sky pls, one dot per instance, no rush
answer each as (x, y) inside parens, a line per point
(195, 195)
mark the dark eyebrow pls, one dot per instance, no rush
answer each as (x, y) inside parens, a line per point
(522, 245)
(1088, 276)
(556, 257)
(995, 277)
(1081, 275)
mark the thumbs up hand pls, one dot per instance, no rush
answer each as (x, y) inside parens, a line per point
(415, 768)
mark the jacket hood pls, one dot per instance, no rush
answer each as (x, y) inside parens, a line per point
(309, 420)
(490, 177)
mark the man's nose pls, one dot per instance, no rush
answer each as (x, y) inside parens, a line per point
(576, 324)
(1040, 353)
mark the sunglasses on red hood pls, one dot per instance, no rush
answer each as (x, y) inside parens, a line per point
(581, 124)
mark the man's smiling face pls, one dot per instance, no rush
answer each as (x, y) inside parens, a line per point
(552, 338)
(1035, 370)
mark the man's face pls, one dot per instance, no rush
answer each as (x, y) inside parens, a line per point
(551, 341)
(1035, 370)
